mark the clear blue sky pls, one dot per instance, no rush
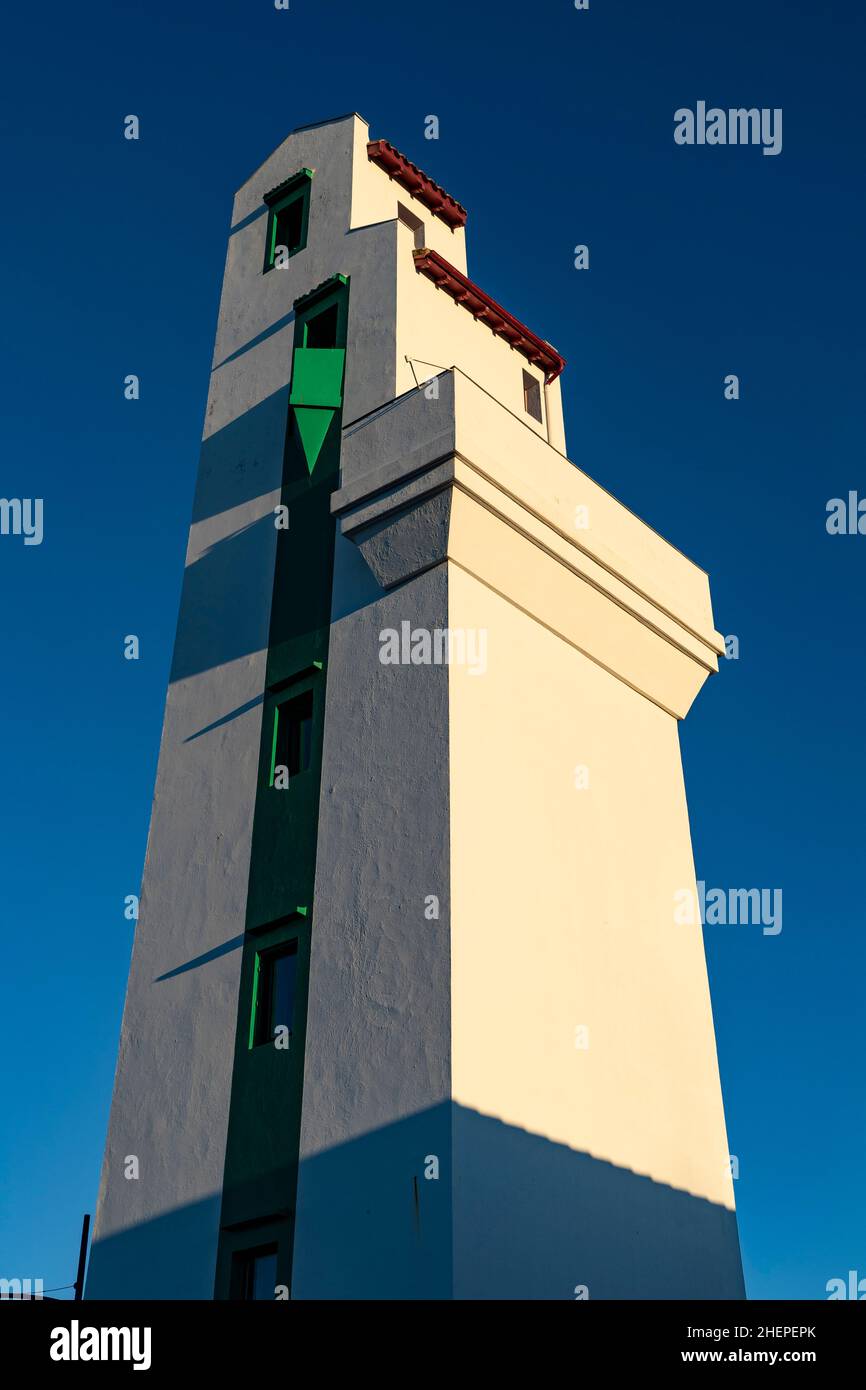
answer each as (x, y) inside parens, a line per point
(556, 129)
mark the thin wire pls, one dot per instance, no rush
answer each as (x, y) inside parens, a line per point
(57, 1289)
(425, 363)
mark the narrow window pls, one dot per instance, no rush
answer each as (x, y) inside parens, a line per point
(256, 1273)
(320, 331)
(408, 218)
(275, 987)
(293, 735)
(288, 217)
(532, 396)
(289, 223)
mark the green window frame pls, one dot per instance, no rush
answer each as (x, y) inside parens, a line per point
(288, 216)
(292, 743)
(313, 309)
(275, 983)
(320, 330)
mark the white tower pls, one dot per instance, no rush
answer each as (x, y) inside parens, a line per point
(410, 1013)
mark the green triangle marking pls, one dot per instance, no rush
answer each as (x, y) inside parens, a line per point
(312, 426)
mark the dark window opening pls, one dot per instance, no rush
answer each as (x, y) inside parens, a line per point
(321, 331)
(289, 226)
(408, 218)
(293, 735)
(276, 986)
(256, 1273)
(288, 219)
(532, 396)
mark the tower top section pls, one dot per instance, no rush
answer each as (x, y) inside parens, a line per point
(332, 201)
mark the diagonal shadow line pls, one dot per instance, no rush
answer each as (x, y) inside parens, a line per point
(217, 951)
(230, 536)
(226, 718)
(259, 338)
(248, 220)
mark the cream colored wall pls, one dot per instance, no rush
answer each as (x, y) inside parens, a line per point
(614, 538)
(605, 1165)
(562, 906)
(433, 327)
(375, 197)
(555, 418)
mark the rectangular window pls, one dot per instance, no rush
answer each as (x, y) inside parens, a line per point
(289, 215)
(274, 992)
(532, 396)
(293, 736)
(255, 1273)
(320, 331)
(408, 218)
(289, 225)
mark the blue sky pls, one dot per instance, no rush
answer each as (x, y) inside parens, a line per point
(556, 128)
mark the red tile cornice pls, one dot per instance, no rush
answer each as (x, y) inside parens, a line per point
(416, 182)
(448, 278)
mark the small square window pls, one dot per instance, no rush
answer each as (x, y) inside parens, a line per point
(292, 747)
(320, 331)
(275, 989)
(256, 1273)
(532, 396)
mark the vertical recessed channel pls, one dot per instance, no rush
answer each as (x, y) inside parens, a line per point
(261, 1165)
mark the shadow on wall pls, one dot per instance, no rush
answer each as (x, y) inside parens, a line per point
(522, 1218)
(226, 601)
(243, 460)
(536, 1219)
(368, 1222)
(531, 1219)
(172, 1256)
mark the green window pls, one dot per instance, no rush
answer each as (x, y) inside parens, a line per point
(320, 330)
(288, 218)
(292, 746)
(317, 365)
(274, 990)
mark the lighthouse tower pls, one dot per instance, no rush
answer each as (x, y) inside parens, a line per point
(411, 1010)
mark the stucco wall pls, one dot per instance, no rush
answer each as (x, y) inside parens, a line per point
(563, 919)
(377, 1068)
(156, 1236)
(433, 327)
(375, 197)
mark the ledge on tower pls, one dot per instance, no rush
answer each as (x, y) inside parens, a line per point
(448, 278)
(416, 182)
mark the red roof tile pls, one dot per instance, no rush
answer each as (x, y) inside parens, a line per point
(416, 182)
(448, 278)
